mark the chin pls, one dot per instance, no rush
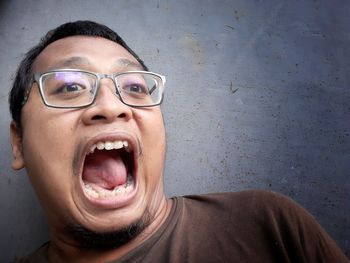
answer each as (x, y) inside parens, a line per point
(105, 239)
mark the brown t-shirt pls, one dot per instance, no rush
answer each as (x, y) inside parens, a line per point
(249, 226)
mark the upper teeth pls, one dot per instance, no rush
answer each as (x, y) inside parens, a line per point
(110, 145)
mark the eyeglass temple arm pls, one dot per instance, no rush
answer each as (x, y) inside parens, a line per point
(153, 88)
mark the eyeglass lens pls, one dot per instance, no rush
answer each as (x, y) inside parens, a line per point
(74, 89)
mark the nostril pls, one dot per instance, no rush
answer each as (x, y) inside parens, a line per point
(101, 117)
(98, 117)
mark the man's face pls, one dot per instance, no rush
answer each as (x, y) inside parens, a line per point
(107, 189)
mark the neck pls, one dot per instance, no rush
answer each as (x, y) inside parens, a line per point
(62, 251)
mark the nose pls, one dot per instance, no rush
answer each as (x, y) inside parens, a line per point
(107, 106)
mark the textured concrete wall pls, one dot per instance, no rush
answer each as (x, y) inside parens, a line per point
(257, 97)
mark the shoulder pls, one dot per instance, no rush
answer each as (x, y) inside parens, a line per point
(247, 194)
(262, 221)
(250, 199)
(252, 209)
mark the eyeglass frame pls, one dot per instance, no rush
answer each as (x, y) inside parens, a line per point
(37, 78)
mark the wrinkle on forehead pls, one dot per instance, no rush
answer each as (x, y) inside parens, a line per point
(73, 62)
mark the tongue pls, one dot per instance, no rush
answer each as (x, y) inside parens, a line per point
(105, 169)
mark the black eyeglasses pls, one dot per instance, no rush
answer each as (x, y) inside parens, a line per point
(71, 88)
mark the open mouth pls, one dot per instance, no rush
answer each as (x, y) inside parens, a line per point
(109, 170)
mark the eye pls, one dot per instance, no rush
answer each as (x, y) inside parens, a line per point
(136, 88)
(70, 88)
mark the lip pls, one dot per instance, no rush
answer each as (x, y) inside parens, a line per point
(119, 200)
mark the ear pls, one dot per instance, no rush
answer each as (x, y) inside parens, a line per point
(16, 143)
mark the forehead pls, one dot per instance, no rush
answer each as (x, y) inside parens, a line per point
(85, 52)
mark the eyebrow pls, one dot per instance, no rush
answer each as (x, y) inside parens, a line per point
(124, 62)
(77, 62)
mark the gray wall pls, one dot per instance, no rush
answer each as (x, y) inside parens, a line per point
(257, 97)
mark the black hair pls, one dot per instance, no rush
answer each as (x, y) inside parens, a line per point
(24, 73)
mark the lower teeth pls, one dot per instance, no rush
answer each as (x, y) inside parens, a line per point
(101, 193)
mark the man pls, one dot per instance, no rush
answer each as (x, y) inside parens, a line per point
(88, 129)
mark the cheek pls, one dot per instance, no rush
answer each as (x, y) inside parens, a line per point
(47, 146)
(47, 152)
(152, 135)
(48, 137)
(152, 131)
